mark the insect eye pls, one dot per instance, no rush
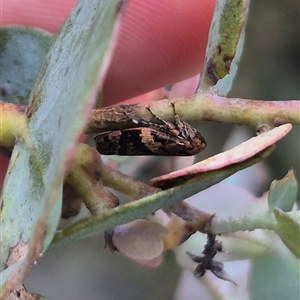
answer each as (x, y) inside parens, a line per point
(191, 135)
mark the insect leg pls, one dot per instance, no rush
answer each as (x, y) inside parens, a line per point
(177, 119)
(136, 121)
(157, 117)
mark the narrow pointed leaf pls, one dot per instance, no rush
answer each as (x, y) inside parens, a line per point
(147, 205)
(226, 39)
(235, 155)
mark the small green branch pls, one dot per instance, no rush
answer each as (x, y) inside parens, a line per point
(253, 113)
(248, 222)
(195, 219)
(208, 223)
(84, 177)
(125, 184)
(208, 106)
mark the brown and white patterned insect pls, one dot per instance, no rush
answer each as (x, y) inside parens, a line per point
(168, 139)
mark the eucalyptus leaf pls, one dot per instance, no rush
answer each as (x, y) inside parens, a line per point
(139, 209)
(232, 156)
(274, 276)
(60, 103)
(283, 193)
(288, 229)
(22, 51)
(226, 39)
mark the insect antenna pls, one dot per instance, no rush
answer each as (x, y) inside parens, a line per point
(156, 116)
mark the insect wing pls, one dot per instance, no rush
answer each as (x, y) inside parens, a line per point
(133, 141)
(145, 141)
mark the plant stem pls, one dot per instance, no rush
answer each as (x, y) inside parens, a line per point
(265, 220)
(125, 184)
(208, 106)
(208, 223)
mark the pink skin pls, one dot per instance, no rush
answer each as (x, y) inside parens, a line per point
(161, 42)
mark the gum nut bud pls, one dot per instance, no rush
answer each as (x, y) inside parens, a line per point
(140, 239)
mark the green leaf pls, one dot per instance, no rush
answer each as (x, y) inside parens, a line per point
(283, 193)
(147, 205)
(288, 229)
(239, 153)
(274, 276)
(22, 52)
(60, 103)
(226, 39)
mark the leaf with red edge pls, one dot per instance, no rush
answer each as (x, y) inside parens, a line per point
(60, 103)
(233, 156)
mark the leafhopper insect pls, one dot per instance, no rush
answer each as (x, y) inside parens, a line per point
(167, 139)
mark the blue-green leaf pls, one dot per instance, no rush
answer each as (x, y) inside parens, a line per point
(288, 229)
(22, 52)
(275, 276)
(60, 102)
(283, 193)
(226, 40)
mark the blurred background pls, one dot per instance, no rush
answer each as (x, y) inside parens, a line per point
(270, 69)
